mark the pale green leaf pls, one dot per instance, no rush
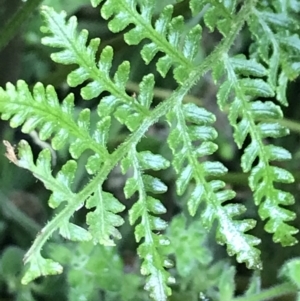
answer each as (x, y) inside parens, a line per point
(195, 198)
(154, 185)
(73, 232)
(39, 266)
(272, 129)
(250, 154)
(149, 160)
(184, 179)
(197, 115)
(247, 67)
(103, 221)
(256, 87)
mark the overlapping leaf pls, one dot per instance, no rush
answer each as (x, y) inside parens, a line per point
(168, 35)
(257, 119)
(189, 144)
(149, 225)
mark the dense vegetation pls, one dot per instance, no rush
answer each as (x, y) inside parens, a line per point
(149, 157)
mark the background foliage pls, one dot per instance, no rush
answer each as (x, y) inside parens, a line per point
(256, 66)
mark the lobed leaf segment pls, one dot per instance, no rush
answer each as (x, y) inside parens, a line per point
(247, 83)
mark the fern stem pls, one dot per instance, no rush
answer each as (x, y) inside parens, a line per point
(286, 288)
(12, 25)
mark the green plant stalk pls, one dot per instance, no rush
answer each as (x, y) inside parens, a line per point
(286, 288)
(17, 20)
(11, 212)
(120, 152)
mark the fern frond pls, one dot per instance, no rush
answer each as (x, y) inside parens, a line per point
(41, 110)
(276, 44)
(263, 175)
(179, 48)
(145, 210)
(184, 141)
(168, 35)
(102, 222)
(60, 185)
(62, 34)
(217, 14)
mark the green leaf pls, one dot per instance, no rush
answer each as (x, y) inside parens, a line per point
(265, 110)
(65, 176)
(146, 91)
(187, 240)
(291, 271)
(250, 154)
(281, 89)
(150, 250)
(196, 6)
(278, 153)
(203, 133)
(149, 160)
(195, 198)
(292, 42)
(40, 266)
(130, 187)
(278, 19)
(247, 67)
(256, 87)
(197, 115)
(227, 284)
(271, 129)
(42, 171)
(73, 232)
(241, 131)
(184, 179)
(154, 185)
(104, 219)
(223, 94)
